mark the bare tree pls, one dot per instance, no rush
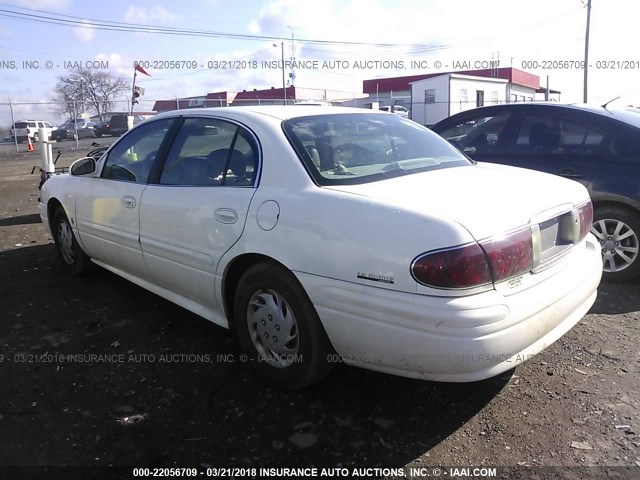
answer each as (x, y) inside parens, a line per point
(88, 89)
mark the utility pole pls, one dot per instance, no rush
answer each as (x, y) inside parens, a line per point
(292, 49)
(586, 51)
(284, 85)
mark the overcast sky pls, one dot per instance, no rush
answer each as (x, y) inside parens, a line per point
(429, 31)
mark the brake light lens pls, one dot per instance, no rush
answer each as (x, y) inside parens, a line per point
(462, 267)
(585, 213)
(476, 264)
(510, 256)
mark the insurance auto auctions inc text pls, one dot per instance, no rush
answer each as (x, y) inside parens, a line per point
(359, 472)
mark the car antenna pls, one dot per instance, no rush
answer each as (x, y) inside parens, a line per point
(605, 104)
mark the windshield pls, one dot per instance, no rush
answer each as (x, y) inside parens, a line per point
(366, 147)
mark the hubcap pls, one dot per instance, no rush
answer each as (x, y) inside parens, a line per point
(273, 328)
(65, 239)
(619, 244)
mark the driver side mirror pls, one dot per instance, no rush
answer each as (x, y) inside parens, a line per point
(84, 166)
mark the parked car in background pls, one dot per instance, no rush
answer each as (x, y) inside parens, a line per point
(24, 129)
(397, 109)
(67, 131)
(340, 233)
(116, 125)
(597, 147)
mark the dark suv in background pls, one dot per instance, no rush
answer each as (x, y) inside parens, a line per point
(597, 147)
(116, 125)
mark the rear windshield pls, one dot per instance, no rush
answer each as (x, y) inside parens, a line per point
(22, 125)
(366, 147)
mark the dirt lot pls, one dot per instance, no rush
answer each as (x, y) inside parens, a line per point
(96, 371)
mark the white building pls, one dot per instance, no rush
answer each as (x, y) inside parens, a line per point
(481, 89)
(436, 98)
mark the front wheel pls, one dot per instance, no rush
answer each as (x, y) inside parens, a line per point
(72, 256)
(278, 327)
(618, 232)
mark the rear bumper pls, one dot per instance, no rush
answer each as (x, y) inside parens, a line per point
(459, 339)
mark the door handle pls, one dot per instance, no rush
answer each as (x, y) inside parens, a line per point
(129, 202)
(570, 173)
(226, 215)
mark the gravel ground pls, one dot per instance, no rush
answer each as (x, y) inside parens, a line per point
(96, 371)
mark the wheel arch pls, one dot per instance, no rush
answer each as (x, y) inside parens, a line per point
(609, 203)
(52, 205)
(231, 278)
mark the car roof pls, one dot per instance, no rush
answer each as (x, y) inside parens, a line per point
(628, 115)
(282, 112)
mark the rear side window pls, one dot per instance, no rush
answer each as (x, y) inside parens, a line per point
(211, 152)
(555, 135)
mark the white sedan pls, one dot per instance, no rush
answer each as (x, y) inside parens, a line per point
(347, 235)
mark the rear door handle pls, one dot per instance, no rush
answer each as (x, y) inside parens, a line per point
(570, 173)
(226, 215)
(128, 201)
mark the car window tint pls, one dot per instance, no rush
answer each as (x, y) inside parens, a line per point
(132, 157)
(477, 135)
(554, 135)
(211, 152)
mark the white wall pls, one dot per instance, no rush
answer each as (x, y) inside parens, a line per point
(495, 92)
(430, 113)
(520, 91)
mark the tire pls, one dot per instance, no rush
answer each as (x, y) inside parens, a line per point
(270, 301)
(98, 135)
(618, 231)
(70, 253)
(36, 137)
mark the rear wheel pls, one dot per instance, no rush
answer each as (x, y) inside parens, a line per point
(618, 231)
(279, 329)
(72, 256)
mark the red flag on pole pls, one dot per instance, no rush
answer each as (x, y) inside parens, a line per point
(140, 69)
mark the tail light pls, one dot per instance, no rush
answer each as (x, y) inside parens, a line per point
(476, 264)
(493, 260)
(585, 214)
(510, 256)
(461, 267)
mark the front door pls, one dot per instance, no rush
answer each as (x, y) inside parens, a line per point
(108, 207)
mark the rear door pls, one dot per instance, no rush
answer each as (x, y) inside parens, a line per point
(108, 207)
(568, 143)
(197, 207)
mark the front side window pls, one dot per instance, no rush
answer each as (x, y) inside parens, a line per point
(477, 135)
(211, 152)
(362, 148)
(131, 159)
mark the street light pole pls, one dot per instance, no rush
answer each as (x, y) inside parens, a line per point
(586, 51)
(284, 86)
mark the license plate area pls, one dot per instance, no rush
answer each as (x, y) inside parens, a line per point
(557, 235)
